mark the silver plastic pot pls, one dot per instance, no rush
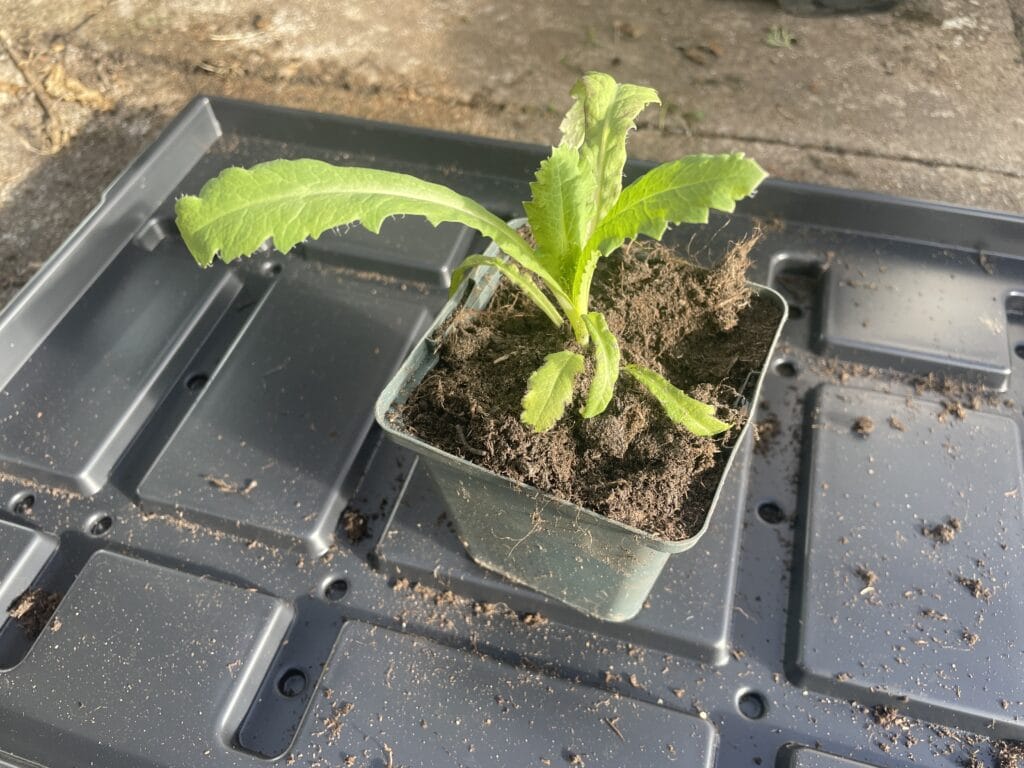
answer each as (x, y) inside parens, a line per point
(600, 567)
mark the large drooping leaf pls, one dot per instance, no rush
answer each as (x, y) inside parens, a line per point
(291, 200)
(673, 193)
(560, 212)
(597, 124)
(680, 191)
(510, 271)
(606, 365)
(696, 416)
(549, 389)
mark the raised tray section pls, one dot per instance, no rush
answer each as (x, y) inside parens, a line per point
(689, 611)
(144, 663)
(270, 447)
(890, 305)
(804, 757)
(908, 595)
(70, 411)
(392, 699)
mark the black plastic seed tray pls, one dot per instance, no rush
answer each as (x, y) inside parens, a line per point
(245, 570)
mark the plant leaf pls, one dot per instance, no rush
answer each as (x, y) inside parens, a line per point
(560, 211)
(606, 365)
(696, 416)
(680, 191)
(517, 278)
(597, 124)
(549, 389)
(291, 200)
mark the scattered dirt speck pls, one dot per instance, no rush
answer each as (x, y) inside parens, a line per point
(896, 424)
(863, 426)
(943, 532)
(952, 408)
(887, 717)
(1009, 754)
(334, 721)
(765, 432)
(975, 587)
(869, 577)
(355, 525)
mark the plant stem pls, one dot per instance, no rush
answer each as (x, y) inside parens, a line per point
(579, 328)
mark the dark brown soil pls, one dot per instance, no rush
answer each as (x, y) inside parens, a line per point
(887, 717)
(355, 525)
(869, 577)
(1009, 754)
(975, 587)
(943, 532)
(33, 609)
(702, 329)
(863, 426)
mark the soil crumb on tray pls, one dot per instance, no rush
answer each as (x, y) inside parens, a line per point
(943, 532)
(1009, 754)
(702, 329)
(887, 717)
(33, 609)
(975, 587)
(355, 525)
(863, 426)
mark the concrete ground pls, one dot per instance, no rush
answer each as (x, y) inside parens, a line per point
(926, 102)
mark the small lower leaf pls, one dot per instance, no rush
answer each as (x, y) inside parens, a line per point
(606, 365)
(514, 276)
(549, 389)
(696, 416)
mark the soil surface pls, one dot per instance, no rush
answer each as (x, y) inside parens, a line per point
(702, 329)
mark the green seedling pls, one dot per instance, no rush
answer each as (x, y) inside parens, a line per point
(579, 213)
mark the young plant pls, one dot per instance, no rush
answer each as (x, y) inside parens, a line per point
(579, 213)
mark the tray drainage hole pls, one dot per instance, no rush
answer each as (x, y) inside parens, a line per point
(335, 589)
(22, 503)
(100, 525)
(752, 705)
(785, 368)
(771, 512)
(292, 683)
(196, 382)
(270, 268)
(1019, 350)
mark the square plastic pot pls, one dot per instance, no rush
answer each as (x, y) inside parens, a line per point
(600, 567)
